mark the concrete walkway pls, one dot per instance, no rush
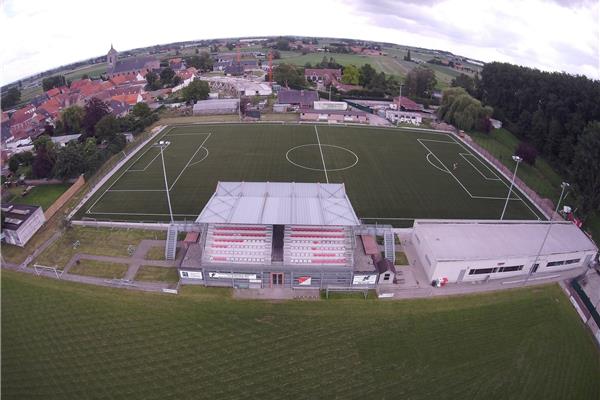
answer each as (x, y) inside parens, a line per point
(134, 262)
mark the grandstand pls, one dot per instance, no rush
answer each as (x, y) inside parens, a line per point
(277, 234)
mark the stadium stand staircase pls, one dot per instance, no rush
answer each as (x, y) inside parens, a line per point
(171, 246)
(389, 246)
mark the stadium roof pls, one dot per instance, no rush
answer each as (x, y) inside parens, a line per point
(483, 240)
(279, 203)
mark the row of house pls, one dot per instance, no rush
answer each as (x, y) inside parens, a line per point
(125, 87)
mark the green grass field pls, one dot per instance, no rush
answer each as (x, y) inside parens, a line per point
(62, 340)
(99, 269)
(391, 175)
(149, 273)
(43, 195)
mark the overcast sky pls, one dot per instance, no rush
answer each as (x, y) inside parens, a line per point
(557, 35)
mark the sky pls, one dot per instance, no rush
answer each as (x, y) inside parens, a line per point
(553, 35)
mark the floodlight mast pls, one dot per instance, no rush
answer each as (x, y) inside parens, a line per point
(564, 186)
(162, 145)
(517, 159)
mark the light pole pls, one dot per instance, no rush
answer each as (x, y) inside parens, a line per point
(516, 159)
(162, 145)
(564, 186)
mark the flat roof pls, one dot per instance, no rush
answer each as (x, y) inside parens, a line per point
(279, 203)
(16, 214)
(482, 240)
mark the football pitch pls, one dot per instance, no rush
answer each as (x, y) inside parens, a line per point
(391, 175)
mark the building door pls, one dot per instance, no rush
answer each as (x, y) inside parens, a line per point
(534, 268)
(461, 275)
(276, 279)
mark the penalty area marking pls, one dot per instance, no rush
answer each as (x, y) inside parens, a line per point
(287, 156)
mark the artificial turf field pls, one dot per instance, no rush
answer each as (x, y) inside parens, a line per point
(62, 340)
(391, 175)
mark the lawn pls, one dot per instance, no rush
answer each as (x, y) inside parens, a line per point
(93, 70)
(99, 269)
(43, 195)
(391, 175)
(95, 241)
(540, 177)
(149, 273)
(64, 340)
(158, 252)
(401, 258)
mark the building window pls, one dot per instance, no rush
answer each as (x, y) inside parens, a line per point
(386, 277)
(480, 271)
(511, 268)
(554, 263)
(573, 261)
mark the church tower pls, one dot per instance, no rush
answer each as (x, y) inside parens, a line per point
(111, 58)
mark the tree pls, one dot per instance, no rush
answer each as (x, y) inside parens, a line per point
(230, 46)
(203, 61)
(462, 110)
(282, 44)
(45, 156)
(275, 54)
(420, 82)
(527, 152)
(106, 128)
(367, 72)
(94, 110)
(464, 81)
(11, 97)
(407, 56)
(53, 82)
(91, 155)
(153, 81)
(196, 90)
(166, 75)
(72, 118)
(141, 110)
(19, 160)
(585, 168)
(351, 75)
(289, 76)
(70, 161)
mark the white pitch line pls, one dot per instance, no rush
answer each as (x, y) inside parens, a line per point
(501, 180)
(147, 165)
(189, 161)
(165, 215)
(136, 190)
(463, 155)
(322, 158)
(127, 169)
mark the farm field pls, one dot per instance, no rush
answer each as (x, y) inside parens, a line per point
(391, 175)
(62, 340)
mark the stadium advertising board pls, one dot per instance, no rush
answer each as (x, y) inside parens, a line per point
(191, 274)
(364, 279)
(304, 280)
(230, 275)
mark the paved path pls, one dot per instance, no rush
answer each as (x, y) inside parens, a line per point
(134, 262)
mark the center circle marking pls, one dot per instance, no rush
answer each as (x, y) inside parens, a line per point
(287, 156)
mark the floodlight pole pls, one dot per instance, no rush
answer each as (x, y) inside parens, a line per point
(162, 157)
(563, 186)
(517, 159)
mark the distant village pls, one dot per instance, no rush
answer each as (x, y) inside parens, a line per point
(239, 83)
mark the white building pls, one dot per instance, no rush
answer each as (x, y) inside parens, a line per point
(464, 250)
(403, 117)
(217, 106)
(20, 223)
(331, 105)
